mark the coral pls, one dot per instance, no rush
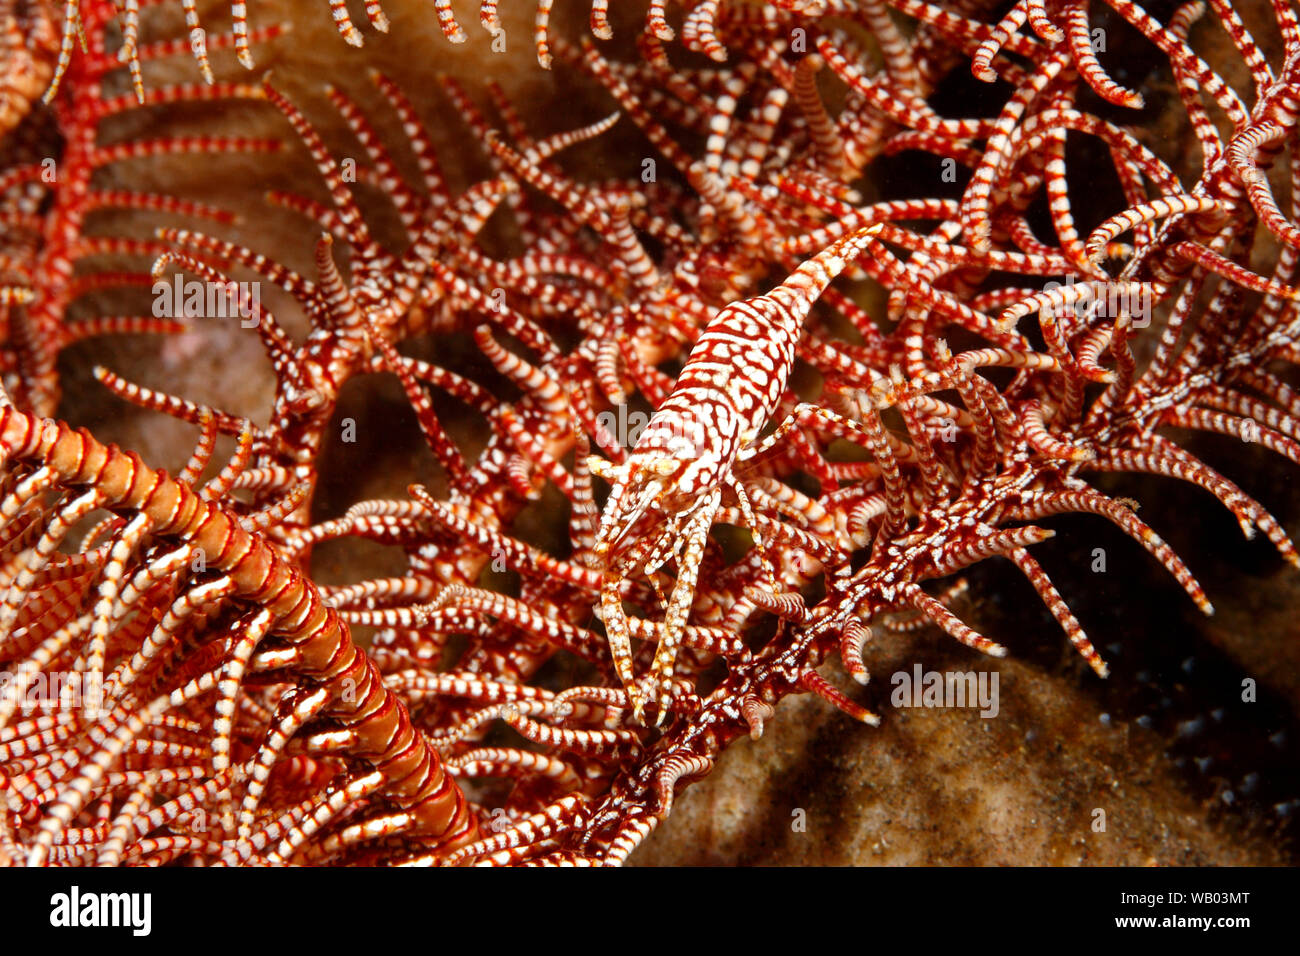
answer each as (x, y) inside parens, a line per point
(807, 469)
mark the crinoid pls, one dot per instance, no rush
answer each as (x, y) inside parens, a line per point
(699, 31)
(53, 187)
(804, 474)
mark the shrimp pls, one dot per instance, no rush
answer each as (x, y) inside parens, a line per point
(671, 485)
